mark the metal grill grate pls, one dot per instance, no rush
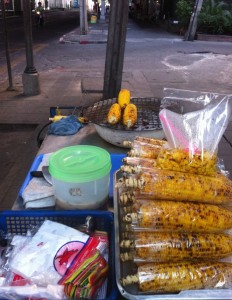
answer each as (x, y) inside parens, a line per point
(148, 113)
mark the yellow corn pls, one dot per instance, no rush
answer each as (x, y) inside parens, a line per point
(171, 185)
(139, 161)
(182, 160)
(176, 277)
(114, 114)
(179, 216)
(173, 246)
(130, 116)
(124, 98)
(144, 150)
(136, 165)
(144, 140)
(126, 197)
(150, 141)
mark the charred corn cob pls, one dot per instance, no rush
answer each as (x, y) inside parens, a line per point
(182, 160)
(144, 140)
(124, 98)
(114, 114)
(144, 150)
(130, 116)
(175, 277)
(180, 216)
(173, 246)
(126, 198)
(139, 161)
(171, 185)
(150, 141)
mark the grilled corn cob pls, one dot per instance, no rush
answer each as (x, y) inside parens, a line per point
(180, 216)
(173, 246)
(139, 161)
(144, 140)
(182, 160)
(175, 277)
(144, 150)
(150, 141)
(130, 116)
(114, 114)
(124, 98)
(171, 185)
(126, 197)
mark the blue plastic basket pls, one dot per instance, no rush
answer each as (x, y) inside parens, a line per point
(18, 222)
(116, 161)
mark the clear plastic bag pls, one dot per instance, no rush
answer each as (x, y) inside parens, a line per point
(178, 216)
(160, 246)
(179, 276)
(194, 123)
(180, 186)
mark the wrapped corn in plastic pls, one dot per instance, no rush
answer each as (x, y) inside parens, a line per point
(144, 140)
(142, 149)
(176, 277)
(171, 185)
(181, 160)
(139, 161)
(173, 246)
(179, 216)
(137, 165)
(194, 136)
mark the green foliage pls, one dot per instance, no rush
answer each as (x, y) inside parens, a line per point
(183, 11)
(215, 17)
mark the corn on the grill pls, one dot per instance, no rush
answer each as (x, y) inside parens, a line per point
(173, 246)
(124, 98)
(114, 114)
(130, 116)
(180, 216)
(171, 185)
(183, 161)
(176, 277)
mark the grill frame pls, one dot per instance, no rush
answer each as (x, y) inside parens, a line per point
(148, 114)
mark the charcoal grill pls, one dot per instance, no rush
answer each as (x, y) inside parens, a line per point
(148, 123)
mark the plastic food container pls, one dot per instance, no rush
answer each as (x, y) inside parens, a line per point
(80, 176)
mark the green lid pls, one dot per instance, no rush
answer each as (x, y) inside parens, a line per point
(80, 163)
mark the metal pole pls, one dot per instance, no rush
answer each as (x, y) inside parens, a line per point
(115, 48)
(30, 69)
(190, 35)
(103, 10)
(5, 35)
(83, 17)
(30, 75)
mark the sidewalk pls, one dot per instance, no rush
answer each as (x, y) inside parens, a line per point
(97, 34)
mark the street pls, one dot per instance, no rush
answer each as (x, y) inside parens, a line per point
(56, 24)
(163, 58)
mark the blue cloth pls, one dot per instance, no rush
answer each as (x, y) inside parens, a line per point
(65, 126)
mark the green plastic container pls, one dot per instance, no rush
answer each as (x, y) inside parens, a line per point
(80, 176)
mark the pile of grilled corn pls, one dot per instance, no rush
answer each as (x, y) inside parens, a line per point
(173, 225)
(123, 110)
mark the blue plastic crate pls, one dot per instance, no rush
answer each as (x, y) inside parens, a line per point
(18, 222)
(116, 161)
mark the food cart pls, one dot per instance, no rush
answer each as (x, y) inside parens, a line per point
(111, 218)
